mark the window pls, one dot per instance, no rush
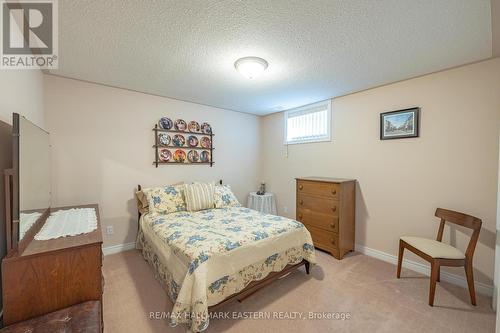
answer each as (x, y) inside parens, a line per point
(310, 123)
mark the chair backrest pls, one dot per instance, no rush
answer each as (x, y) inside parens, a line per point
(463, 220)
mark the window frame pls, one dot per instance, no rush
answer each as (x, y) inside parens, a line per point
(305, 110)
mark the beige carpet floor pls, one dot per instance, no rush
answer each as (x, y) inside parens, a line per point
(363, 287)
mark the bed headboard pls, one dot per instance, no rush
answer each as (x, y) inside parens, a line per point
(139, 188)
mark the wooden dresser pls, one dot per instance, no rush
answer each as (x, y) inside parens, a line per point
(51, 275)
(326, 206)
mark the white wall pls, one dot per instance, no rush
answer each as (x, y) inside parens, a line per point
(102, 148)
(21, 92)
(454, 163)
(495, 27)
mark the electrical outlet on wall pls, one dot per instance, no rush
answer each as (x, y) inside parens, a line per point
(109, 230)
(285, 209)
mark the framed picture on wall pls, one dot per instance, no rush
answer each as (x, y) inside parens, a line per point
(400, 124)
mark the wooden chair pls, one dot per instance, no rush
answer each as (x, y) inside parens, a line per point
(441, 254)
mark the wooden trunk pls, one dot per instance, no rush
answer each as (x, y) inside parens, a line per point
(83, 317)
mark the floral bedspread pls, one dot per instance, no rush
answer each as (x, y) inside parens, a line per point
(203, 257)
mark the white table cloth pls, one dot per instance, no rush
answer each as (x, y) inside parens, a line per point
(69, 222)
(265, 203)
(26, 221)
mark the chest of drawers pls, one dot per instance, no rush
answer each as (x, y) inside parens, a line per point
(326, 206)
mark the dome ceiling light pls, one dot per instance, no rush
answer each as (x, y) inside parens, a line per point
(251, 67)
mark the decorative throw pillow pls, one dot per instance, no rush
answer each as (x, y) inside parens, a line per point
(224, 197)
(199, 196)
(142, 197)
(165, 200)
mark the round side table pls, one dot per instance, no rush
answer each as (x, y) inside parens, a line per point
(264, 203)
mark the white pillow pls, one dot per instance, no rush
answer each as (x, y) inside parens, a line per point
(199, 196)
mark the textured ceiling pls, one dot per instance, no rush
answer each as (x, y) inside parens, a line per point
(315, 49)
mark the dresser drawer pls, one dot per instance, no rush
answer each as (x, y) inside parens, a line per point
(327, 190)
(319, 205)
(323, 239)
(323, 221)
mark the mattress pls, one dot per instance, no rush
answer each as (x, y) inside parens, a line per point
(202, 258)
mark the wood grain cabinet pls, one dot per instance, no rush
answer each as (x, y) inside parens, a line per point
(53, 274)
(326, 206)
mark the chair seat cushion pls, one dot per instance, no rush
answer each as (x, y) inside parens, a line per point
(434, 248)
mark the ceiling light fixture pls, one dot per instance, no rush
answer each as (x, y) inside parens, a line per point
(251, 67)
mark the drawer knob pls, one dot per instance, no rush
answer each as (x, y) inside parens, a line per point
(334, 192)
(300, 216)
(332, 225)
(301, 187)
(301, 202)
(333, 241)
(334, 208)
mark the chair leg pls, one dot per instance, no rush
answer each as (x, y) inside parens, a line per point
(439, 274)
(434, 274)
(400, 258)
(470, 281)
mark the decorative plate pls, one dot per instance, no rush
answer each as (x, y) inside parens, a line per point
(194, 127)
(205, 128)
(180, 125)
(179, 156)
(165, 123)
(179, 140)
(164, 139)
(193, 156)
(205, 142)
(165, 155)
(205, 156)
(192, 141)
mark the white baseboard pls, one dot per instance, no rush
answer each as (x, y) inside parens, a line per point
(118, 248)
(458, 280)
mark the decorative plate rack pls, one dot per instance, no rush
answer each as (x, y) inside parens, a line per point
(181, 143)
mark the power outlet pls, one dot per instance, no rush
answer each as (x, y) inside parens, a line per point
(285, 209)
(109, 230)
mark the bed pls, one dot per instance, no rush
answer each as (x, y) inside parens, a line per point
(208, 258)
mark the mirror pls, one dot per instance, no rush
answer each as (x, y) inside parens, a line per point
(5, 164)
(33, 172)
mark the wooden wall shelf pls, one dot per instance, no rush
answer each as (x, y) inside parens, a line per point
(172, 148)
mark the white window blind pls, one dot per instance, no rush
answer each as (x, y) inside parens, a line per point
(310, 123)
